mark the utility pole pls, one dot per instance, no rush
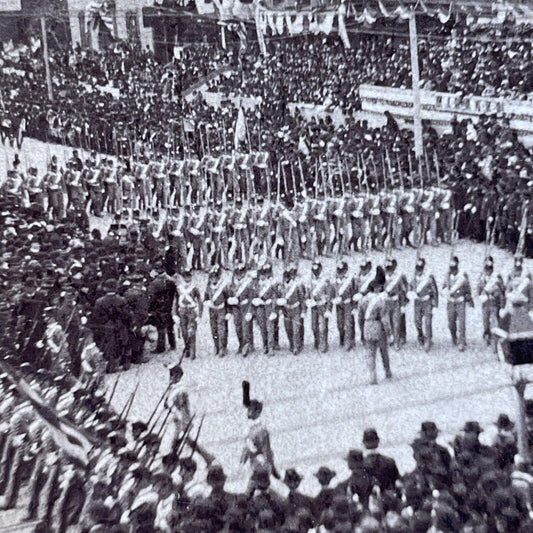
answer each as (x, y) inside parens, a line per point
(46, 60)
(417, 120)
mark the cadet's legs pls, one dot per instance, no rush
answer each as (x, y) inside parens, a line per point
(341, 321)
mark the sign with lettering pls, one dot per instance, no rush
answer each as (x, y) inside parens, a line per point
(10, 5)
(440, 108)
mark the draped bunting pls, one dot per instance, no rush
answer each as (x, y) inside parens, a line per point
(280, 22)
(101, 12)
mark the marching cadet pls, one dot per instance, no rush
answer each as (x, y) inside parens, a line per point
(93, 183)
(320, 301)
(491, 293)
(458, 293)
(34, 188)
(265, 307)
(242, 292)
(294, 308)
(215, 298)
(111, 197)
(377, 328)
(54, 186)
(345, 306)
(190, 308)
(363, 280)
(220, 234)
(396, 291)
(197, 237)
(426, 297)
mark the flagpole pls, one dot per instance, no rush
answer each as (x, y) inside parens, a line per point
(417, 120)
(46, 60)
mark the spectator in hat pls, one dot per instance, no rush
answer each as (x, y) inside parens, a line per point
(295, 500)
(381, 470)
(263, 497)
(502, 437)
(359, 482)
(323, 499)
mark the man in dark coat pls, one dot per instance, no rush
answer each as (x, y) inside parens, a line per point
(381, 470)
(110, 322)
(161, 295)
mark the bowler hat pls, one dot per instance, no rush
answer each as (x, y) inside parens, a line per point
(370, 439)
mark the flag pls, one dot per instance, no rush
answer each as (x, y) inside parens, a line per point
(240, 129)
(75, 443)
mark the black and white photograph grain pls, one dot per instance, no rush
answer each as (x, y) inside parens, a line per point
(266, 266)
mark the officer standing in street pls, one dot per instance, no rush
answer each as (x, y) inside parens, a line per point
(190, 308)
(320, 301)
(458, 293)
(345, 306)
(491, 293)
(377, 328)
(426, 297)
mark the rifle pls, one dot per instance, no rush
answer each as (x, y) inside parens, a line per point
(400, 171)
(180, 443)
(127, 406)
(114, 389)
(437, 167)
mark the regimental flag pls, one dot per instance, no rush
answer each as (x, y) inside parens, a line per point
(240, 129)
(73, 441)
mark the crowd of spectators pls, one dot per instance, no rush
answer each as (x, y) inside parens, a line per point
(132, 483)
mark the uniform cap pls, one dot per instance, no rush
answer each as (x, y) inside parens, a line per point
(342, 266)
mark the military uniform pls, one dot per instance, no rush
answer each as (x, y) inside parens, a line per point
(459, 294)
(396, 291)
(243, 289)
(491, 293)
(320, 302)
(215, 298)
(345, 305)
(377, 328)
(293, 304)
(426, 297)
(265, 309)
(363, 280)
(189, 312)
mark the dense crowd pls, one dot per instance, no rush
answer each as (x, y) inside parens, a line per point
(469, 64)
(129, 482)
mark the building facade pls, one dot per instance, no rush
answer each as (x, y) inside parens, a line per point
(119, 19)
